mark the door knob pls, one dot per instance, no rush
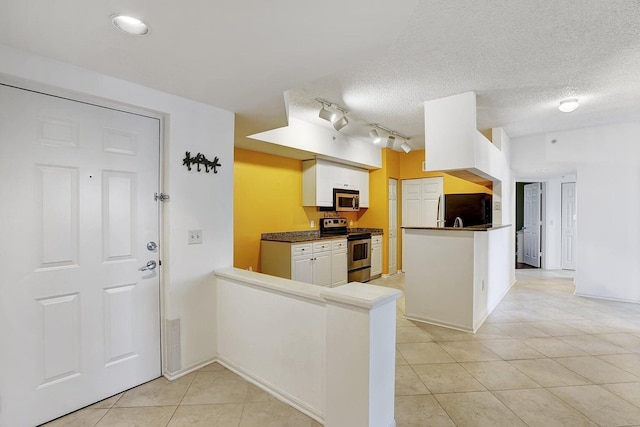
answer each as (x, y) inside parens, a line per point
(150, 266)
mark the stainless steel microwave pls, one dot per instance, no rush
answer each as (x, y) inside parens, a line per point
(346, 200)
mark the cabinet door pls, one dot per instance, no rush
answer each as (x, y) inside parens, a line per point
(339, 177)
(302, 268)
(322, 269)
(363, 176)
(339, 267)
(324, 190)
(376, 260)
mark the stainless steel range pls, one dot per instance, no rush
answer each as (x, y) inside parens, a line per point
(359, 252)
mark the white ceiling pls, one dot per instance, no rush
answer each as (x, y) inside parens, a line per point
(379, 59)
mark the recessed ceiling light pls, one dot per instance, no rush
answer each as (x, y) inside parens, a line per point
(568, 105)
(130, 25)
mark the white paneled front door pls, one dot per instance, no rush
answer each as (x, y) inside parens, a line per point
(79, 321)
(532, 224)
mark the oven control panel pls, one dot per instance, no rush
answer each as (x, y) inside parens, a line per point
(332, 223)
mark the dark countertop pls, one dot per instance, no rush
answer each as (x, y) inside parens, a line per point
(312, 235)
(470, 228)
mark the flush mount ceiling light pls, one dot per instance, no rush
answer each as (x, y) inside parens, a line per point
(329, 113)
(391, 136)
(130, 25)
(568, 105)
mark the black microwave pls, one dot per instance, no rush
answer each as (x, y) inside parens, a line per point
(346, 200)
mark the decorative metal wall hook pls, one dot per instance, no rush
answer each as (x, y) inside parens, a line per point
(200, 159)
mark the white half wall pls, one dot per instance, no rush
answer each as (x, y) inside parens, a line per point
(198, 200)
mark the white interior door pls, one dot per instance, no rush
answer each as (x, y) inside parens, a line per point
(432, 190)
(393, 226)
(412, 203)
(420, 201)
(80, 322)
(569, 219)
(532, 224)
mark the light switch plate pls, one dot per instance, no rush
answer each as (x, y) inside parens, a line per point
(195, 237)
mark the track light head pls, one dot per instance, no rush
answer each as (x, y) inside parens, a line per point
(327, 115)
(406, 147)
(375, 136)
(390, 141)
(340, 123)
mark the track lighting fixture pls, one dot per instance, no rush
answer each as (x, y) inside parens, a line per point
(340, 123)
(390, 139)
(329, 112)
(375, 136)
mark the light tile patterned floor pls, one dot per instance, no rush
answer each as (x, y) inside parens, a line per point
(543, 358)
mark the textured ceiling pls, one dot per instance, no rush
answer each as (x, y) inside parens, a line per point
(379, 59)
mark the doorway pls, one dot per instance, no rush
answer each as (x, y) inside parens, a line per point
(569, 228)
(529, 224)
(393, 226)
(80, 292)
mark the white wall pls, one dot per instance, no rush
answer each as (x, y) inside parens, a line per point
(607, 164)
(198, 200)
(325, 142)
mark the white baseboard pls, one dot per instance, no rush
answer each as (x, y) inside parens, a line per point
(582, 294)
(182, 372)
(272, 390)
(439, 323)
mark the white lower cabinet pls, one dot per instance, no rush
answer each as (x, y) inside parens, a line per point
(339, 263)
(376, 256)
(321, 264)
(317, 263)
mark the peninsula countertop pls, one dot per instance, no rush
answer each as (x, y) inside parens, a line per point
(470, 228)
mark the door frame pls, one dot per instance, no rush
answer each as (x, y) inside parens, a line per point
(397, 184)
(53, 91)
(543, 217)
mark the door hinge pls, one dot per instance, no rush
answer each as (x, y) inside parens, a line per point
(162, 197)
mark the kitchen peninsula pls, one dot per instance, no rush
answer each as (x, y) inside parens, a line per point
(455, 277)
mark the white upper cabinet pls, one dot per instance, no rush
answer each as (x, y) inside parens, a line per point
(363, 176)
(317, 177)
(320, 177)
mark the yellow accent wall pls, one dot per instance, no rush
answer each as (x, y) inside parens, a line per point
(267, 197)
(411, 167)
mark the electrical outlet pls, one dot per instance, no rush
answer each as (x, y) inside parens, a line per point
(195, 237)
(312, 223)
